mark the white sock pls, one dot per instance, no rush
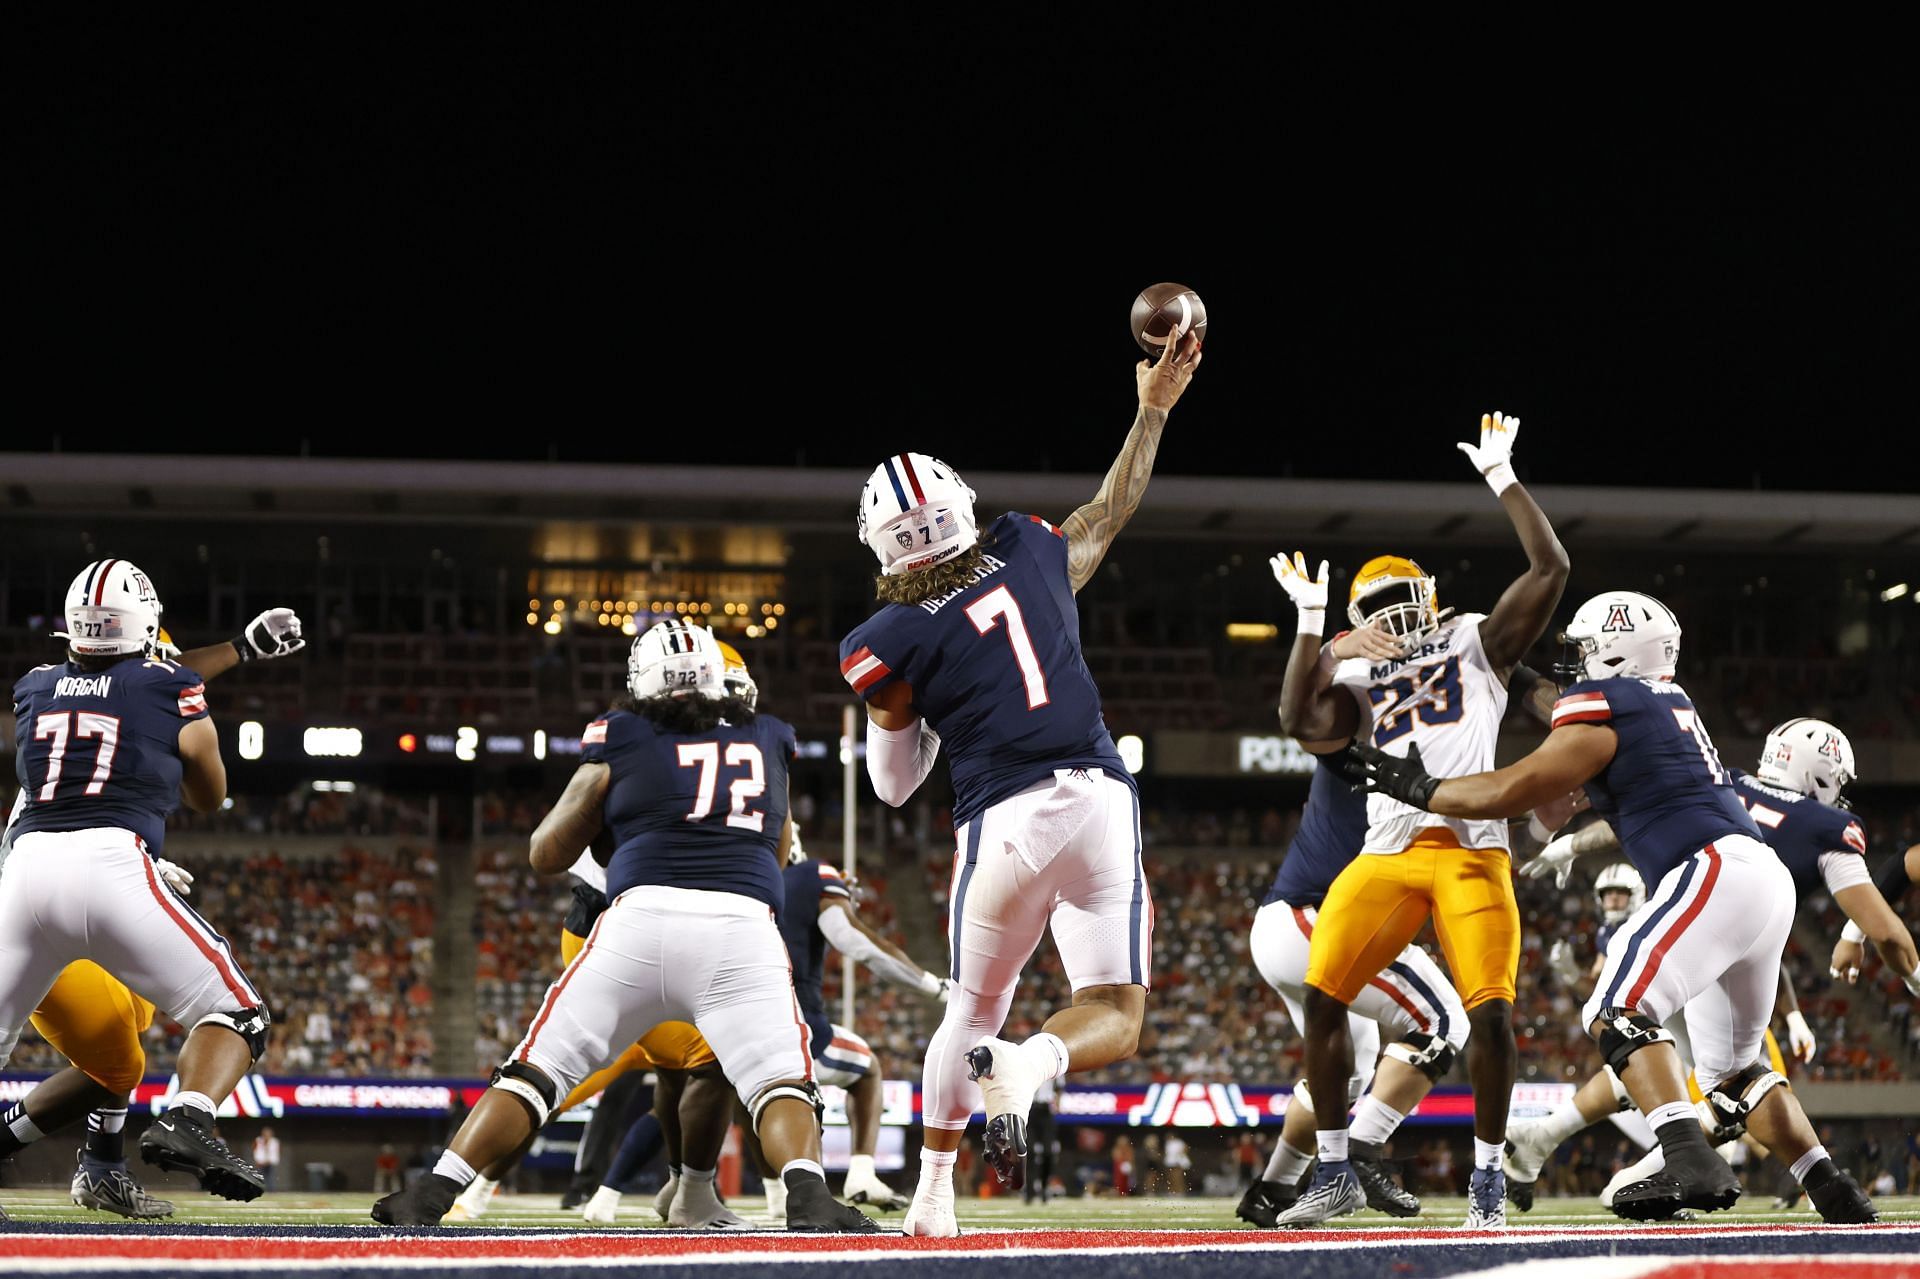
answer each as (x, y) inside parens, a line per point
(454, 1167)
(801, 1165)
(1047, 1054)
(860, 1168)
(1565, 1121)
(1486, 1154)
(24, 1130)
(198, 1100)
(1674, 1111)
(1332, 1145)
(936, 1168)
(701, 1174)
(1374, 1120)
(1287, 1164)
(1805, 1163)
(479, 1190)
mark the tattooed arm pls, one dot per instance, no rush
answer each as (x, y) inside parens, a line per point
(1091, 529)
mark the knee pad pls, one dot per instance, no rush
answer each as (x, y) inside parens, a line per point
(1431, 1055)
(808, 1092)
(251, 1024)
(1624, 1034)
(1622, 1099)
(531, 1086)
(1729, 1102)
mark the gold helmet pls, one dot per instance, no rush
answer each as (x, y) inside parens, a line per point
(735, 679)
(1394, 593)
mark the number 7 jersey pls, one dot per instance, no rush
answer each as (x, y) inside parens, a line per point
(1445, 696)
(995, 667)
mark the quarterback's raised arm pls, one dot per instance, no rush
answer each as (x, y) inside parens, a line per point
(1091, 529)
(1527, 606)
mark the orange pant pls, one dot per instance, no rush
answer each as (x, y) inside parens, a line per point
(672, 1045)
(1377, 904)
(95, 1022)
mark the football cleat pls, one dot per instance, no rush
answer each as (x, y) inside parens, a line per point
(1007, 1084)
(474, 1200)
(180, 1141)
(1648, 1164)
(663, 1202)
(423, 1203)
(111, 1188)
(1527, 1152)
(1486, 1200)
(931, 1214)
(1370, 1170)
(1692, 1178)
(601, 1209)
(1264, 1202)
(696, 1207)
(776, 1213)
(1838, 1197)
(875, 1194)
(1335, 1192)
(812, 1209)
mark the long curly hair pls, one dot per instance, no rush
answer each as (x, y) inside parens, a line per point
(911, 588)
(685, 715)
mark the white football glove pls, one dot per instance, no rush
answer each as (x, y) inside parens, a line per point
(1308, 596)
(1557, 858)
(1912, 981)
(1493, 457)
(275, 633)
(1800, 1041)
(1561, 963)
(178, 878)
(945, 989)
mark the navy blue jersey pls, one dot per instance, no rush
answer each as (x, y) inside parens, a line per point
(1605, 934)
(694, 810)
(1800, 829)
(1333, 826)
(808, 884)
(103, 749)
(995, 668)
(1665, 792)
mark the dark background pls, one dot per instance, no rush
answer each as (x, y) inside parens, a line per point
(670, 244)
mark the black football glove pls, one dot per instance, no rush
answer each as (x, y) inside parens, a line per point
(1370, 770)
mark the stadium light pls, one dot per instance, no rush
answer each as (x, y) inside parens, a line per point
(1252, 632)
(253, 739)
(337, 743)
(1133, 752)
(1893, 592)
(539, 743)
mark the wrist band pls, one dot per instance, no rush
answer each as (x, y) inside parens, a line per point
(1501, 478)
(240, 646)
(1313, 621)
(1853, 933)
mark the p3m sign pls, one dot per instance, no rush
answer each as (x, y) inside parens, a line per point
(1274, 755)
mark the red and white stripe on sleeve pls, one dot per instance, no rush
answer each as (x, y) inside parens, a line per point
(863, 670)
(1582, 708)
(193, 701)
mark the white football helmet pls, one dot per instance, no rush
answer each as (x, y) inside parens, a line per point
(112, 609)
(1624, 634)
(677, 659)
(915, 512)
(1620, 875)
(734, 677)
(1810, 756)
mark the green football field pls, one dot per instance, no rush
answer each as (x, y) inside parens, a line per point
(543, 1212)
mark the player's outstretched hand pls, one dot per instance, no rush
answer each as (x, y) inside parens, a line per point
(1556, 858)
(1847, 956)
(1561, 962)
(1371, 641)
(1800, 1041)
(1309, 596)
(1161, 382)
(1493, 456)
(275, 633)
(178, 878)
(1371, 770)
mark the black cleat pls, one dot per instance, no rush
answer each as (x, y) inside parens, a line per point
(812, 1209)
(1838, 1197)
(1519, 1193)
(421, 1204)
(1264, 1202)
(1694, 1177)
(1005, 1140)
(181, 1141)
(1382, 1195)
(1657, 1198)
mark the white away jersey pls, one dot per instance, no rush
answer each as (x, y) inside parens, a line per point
(1446, 697)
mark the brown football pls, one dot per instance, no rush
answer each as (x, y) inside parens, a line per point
(1164, 309)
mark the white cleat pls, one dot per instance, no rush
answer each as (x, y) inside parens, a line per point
(1651, 1162)
(697, 1207)
(474, 1200)
(777, 1203)
(874, 1193)
(1336, 1196)
(603, 1207)
(931, 1215)
(1008, 1082)
(663, 1202)
(1530, 1149)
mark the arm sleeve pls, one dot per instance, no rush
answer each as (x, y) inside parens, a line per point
(849, 940)
(1843, 870)
(1891, 879)
(898, 760)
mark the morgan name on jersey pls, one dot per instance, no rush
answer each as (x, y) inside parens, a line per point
(102, 748)
(1446, 696)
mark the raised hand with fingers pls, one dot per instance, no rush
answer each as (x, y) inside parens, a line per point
(1309, 595)
(1371, 770)
(1372, 641)
(1800, 1041)
(1161, 382)
(1493, 456)
(1555, 859)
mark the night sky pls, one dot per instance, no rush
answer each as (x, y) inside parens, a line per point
(375, 257)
